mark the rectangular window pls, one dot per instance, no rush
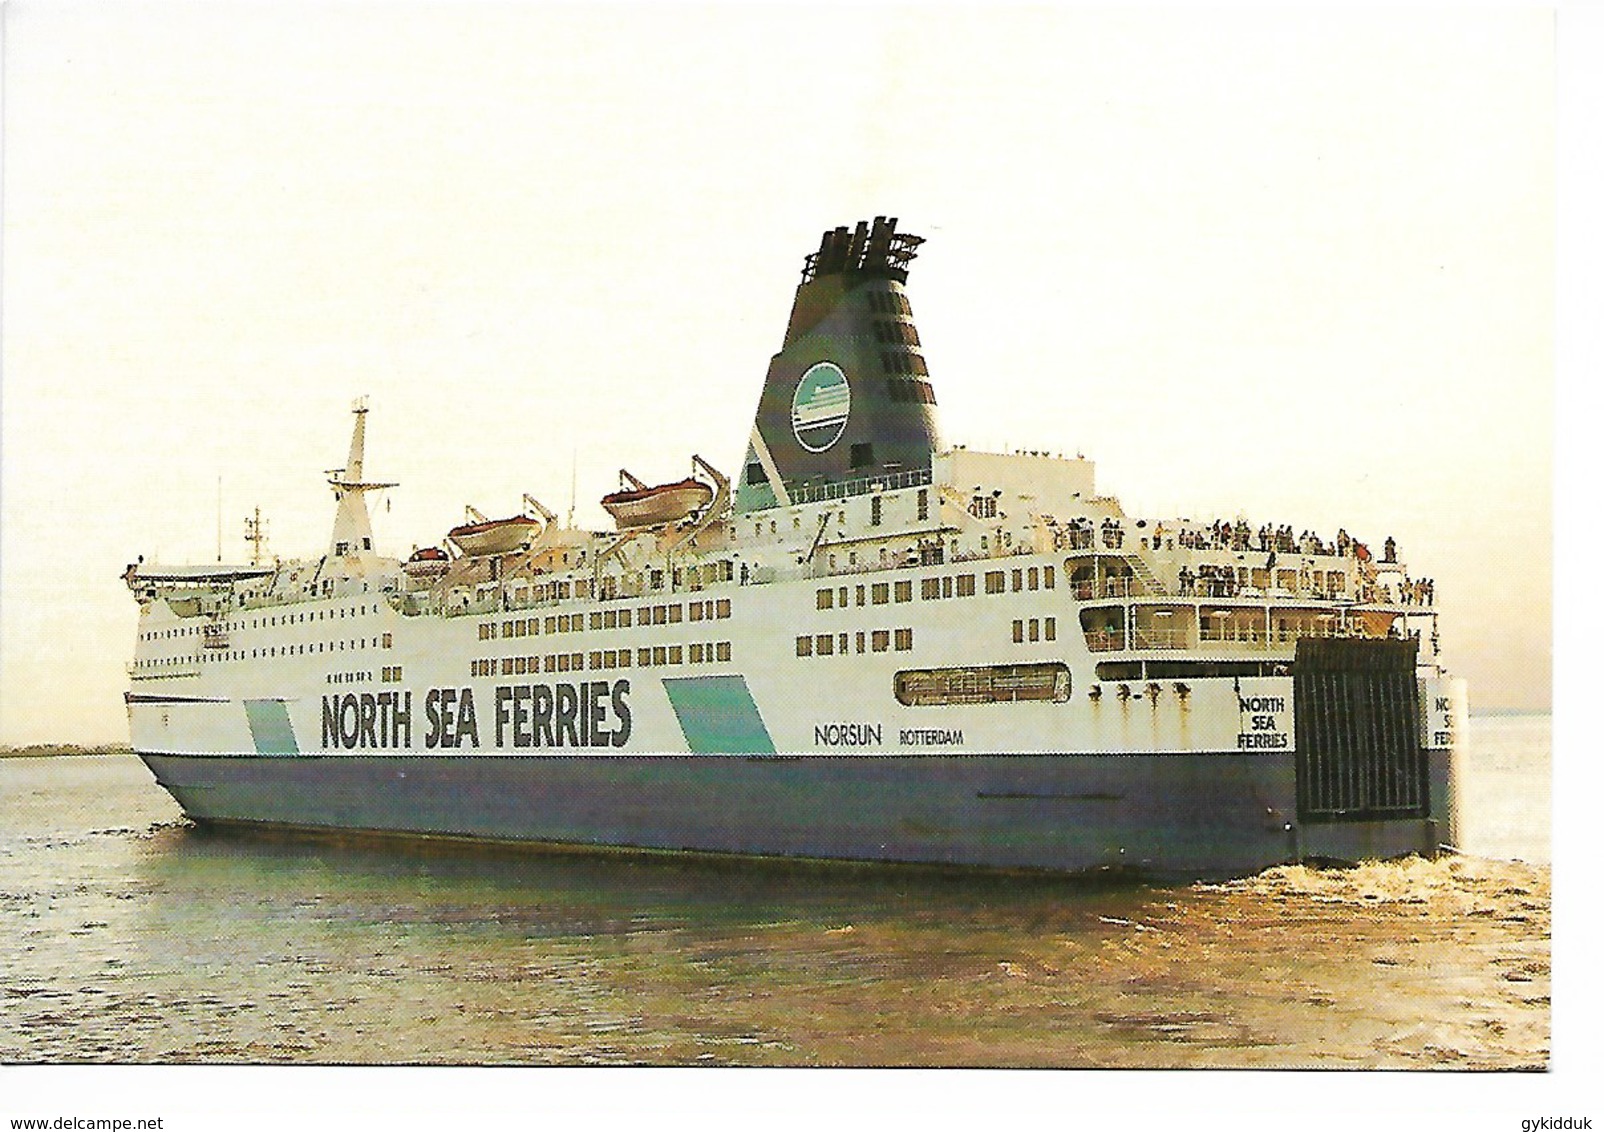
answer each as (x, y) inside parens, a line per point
(506, 666)
(623, 658)
(995, 582)
(946, 587)
(1046, 577)
(1049, 629)
(860, 641)
(1035, 629)
(625, 618)
(596, 620)
(826, 599)
(1031, 577)
(966, 585)
(610, 658)
(1019, 632)
(676, 614)
(905, 590)
(696, 611)
(804, 646)
(824, 645)
(1003, 683)
(596, 659)
(659, 654)
(858, 595)
(389, 641)
(676, 654)
(696, 653)
(1019, 580)
(841, 598)
(880, 593)
(904, 640)
(929, 588)
(562, 662)
(723, 650)
(723, 607)
(841, 644)
(551, 662)
(551, 624)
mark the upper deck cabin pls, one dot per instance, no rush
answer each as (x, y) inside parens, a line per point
(845, 474)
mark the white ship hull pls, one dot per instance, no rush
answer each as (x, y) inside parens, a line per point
(876, 648)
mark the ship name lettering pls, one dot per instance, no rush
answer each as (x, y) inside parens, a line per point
(1264, 703)
(931, 737)
(563, 715)
(846, 734)
(1249, 741)
(374, 720)
(451, 717)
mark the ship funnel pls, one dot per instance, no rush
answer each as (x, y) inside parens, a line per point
(848, 397)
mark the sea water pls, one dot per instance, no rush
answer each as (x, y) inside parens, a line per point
(128, 936)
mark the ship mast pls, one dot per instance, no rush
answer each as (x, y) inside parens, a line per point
(256, 535)
(351, 543)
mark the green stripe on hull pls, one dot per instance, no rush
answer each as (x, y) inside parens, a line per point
(718, 716)
(270, 727)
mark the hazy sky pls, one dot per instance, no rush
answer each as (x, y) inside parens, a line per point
(1295, 265)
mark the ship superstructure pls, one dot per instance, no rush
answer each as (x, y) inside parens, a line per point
(867, 645)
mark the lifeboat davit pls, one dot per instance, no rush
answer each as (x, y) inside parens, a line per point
(430, 562)
(495, 536)
(649, 506)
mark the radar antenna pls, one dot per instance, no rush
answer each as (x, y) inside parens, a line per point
(256, 534)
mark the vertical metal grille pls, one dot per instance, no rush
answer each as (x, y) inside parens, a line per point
(1357, 725)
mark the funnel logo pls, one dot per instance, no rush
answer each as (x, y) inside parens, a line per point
(820, 408)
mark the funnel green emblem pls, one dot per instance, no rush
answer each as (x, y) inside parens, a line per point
(820, 407)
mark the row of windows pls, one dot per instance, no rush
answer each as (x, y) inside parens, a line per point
(391, 674)
(259, 622)
(902, 332)
(1036, 629)
(876, 510)
(937, 588)
(911, 389)
(684, 577)
(698, 652)
(384, 641)
(348, 678)
(889, 302)
(877, 640)
(709, 610)
(907, 363)
(994, 684)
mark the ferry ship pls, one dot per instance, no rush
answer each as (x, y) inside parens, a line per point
(867, 645)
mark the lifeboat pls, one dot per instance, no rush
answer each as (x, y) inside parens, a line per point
(430, 562)
(649, 506)
(494, 536)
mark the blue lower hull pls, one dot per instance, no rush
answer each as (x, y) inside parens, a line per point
(1199, 815)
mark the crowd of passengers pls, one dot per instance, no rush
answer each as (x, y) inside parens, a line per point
(1079, 534)
(1223, 581)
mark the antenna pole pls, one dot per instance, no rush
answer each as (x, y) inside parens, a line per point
(573, 485)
